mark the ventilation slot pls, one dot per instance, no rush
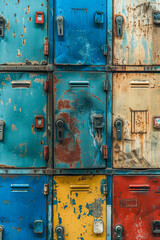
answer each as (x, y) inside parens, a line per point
(139, 188)
(19, 187)
(21, 84)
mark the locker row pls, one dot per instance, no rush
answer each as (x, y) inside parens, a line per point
(81, 130)
(82, 208)
(80, 32)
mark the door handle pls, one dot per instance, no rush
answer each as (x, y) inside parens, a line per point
(60, 129)
(2, 124)
(119, 125)
(118, 229)
(1, 232)
(60, 25)
(60, 232)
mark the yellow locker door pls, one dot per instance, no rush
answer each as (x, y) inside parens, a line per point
(79, 207)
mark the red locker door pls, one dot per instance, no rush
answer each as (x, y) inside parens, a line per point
(136, 207)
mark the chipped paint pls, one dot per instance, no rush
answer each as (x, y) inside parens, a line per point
(78, 107)
(139, 43)
(84, 205)
(136, 103)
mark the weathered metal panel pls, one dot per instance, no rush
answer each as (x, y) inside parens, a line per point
(136, 207)
(79, 202)
(139, 42)
(136, 103)
(22, 97)
(23, 40)
(80, 103)
(84, 37)
(22, 203)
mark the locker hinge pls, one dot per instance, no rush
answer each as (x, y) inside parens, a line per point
(105, 50)
(46, 152)
(46, 48)
(47, 86)
(105, 151)
(46, 189)
(105, 189)
(105, 87)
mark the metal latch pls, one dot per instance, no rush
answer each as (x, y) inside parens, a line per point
(118, 125)
(60, 130)
(60, 23)
(2, 24)
(2, 124)
(98, 226)
(60, 232)
(38, 226)
(99, 17)
(46, 189)
(119, 232)
(98, 125)
(119, 22)
(1, 232)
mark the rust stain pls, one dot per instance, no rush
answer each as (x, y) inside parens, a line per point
(14, 128)
(18, 229)
(55, 82)
(3, 83)
(30, 19)
(24, 42)
(64, 104)
(6, 202)
(68, 152)
(1, 102)
(14, 34)
(21, 218)
(28, 9)
(24, 29)
(71, 121)
(19, 53)
(6, 166)
(33, 132)
(8, 25)
(8, 78)
(22, 36)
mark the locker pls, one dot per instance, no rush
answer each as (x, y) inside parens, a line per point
(136, 207)
(79, 207)
(136, 28)
(22, 120)
(22, 207)
(80, 32)
(136, 134)
(22, 36)
(80, 119)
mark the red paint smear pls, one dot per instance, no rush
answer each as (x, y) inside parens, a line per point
(69, 151)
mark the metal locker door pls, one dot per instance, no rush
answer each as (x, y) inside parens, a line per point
(136, 32)
(80, 120)
(23, 32)
(136, 120)
(22, 120)
(80, 32)
(23, 207)
(136, 212)
(79, 207)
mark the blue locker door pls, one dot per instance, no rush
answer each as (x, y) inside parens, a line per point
(80, 32)
(22, 40)
(22, 103)
(80, 120)
(23, 207)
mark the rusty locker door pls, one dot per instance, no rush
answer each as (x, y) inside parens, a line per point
(136, 208)
(136, 32)
(23, 32)
(80, 120)
(80, 32)
(136, 120)
(23, 105)
(79, 207)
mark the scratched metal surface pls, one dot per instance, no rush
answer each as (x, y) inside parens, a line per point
(22, 145)
(136, 206)
(76, 209)
(83, 40)
(20, 207)
(136, 98)
(23, 38)
(82, 145)
(139, 43)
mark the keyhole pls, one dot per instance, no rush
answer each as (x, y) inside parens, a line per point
(119, 30)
